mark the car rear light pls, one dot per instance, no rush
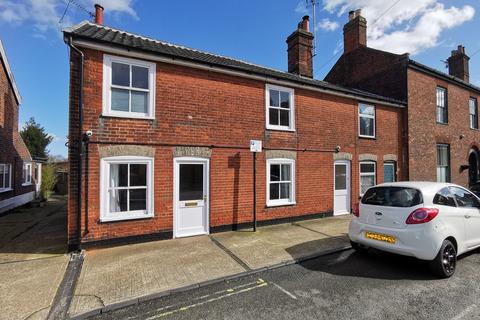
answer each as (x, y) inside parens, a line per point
(356, 210)
(422, 215)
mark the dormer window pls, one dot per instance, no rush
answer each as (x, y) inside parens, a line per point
(128, 88)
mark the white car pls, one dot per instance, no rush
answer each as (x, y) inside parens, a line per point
(427, 220)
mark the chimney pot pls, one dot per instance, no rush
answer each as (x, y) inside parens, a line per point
(351, 15)
(98, 14)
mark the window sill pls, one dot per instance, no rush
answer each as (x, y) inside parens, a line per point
(272, 128)
(280, 204)
(125, 218)
(26, 184)
(5, 190)
(442, 123)
(127, 116)
(367, 137)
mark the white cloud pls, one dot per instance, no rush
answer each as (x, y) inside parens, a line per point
(302, 7)
(409, 26)
(327, 24)
(44, 15)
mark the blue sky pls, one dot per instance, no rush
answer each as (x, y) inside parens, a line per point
(250, 30)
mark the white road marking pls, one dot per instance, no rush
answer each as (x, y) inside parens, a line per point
(288, 293)
(465, 312)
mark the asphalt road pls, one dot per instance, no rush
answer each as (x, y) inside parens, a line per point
(344, 285)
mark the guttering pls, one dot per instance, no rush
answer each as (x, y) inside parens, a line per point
(80, 145)
(172, 60)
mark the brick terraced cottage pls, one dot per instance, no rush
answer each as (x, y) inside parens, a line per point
(166, 132)
(17, 184)
(442, 118)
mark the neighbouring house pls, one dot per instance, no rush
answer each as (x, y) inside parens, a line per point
(17, 183)
(160, 135)
(442, 109)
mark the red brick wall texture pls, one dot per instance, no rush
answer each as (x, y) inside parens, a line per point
(196, 107)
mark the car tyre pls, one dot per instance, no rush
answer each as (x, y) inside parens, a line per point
(445, 262)
(357, 247)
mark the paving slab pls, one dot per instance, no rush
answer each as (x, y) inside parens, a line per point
(276, 244)
(27, 288)
(114, 275)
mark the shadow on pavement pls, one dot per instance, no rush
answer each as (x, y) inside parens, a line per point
(34, 230)
(372, 264)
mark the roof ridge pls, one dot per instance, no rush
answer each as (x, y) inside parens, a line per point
(84, 22)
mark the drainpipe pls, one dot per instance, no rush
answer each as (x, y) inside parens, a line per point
(79, 146)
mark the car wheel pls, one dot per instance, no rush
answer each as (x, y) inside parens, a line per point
(357, 247)
(445, 262)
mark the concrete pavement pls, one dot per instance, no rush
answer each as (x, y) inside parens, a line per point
(119, 276)
(32, 259)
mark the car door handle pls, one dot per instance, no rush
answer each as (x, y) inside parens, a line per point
(467, 216)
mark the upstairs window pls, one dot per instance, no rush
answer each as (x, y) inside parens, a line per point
(280, 182)
(5, 177)
(27, 173)
(442, 105)
(473, 110)
(280, 108)
(443, 163)
(366, 120)
(128, 88)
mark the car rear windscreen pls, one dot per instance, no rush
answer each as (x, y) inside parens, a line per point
(393, 197)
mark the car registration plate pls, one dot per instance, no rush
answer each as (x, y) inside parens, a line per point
(380, 237)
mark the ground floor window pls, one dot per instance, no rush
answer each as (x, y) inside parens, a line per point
(280, 182)
(367, 175)
(127, 190)
(389, 172)
(443, 163)
(27, 173)
(5, 177)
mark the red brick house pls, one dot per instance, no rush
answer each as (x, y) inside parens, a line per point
(17, 184)
(442, 109)
(166, 132)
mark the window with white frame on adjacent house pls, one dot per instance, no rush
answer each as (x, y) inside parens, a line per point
(128, 87)
(27, 173)
(389, 171)
(5, 177)
(127, 191)
(473, 111)
(280, 182)
(367, 175)
(443, 163)
(366, 120)
(280, 113)
(442, 105)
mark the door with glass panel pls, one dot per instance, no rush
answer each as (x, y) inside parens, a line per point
(341, 198)
(191, 197)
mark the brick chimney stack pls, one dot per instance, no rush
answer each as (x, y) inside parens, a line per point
(354, 31)
(458, 64)
(300, 46)
(98, 14)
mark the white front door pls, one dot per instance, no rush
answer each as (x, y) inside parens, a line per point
(341, 187)
(191, 197)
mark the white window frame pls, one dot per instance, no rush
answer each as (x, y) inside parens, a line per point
(473, 125)
(107, 85)
(105, 214)
(281, 202)
(291, 92)
(369, 117)
(9, 167)
(366, 174)
(393, 164)
(27, 178)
